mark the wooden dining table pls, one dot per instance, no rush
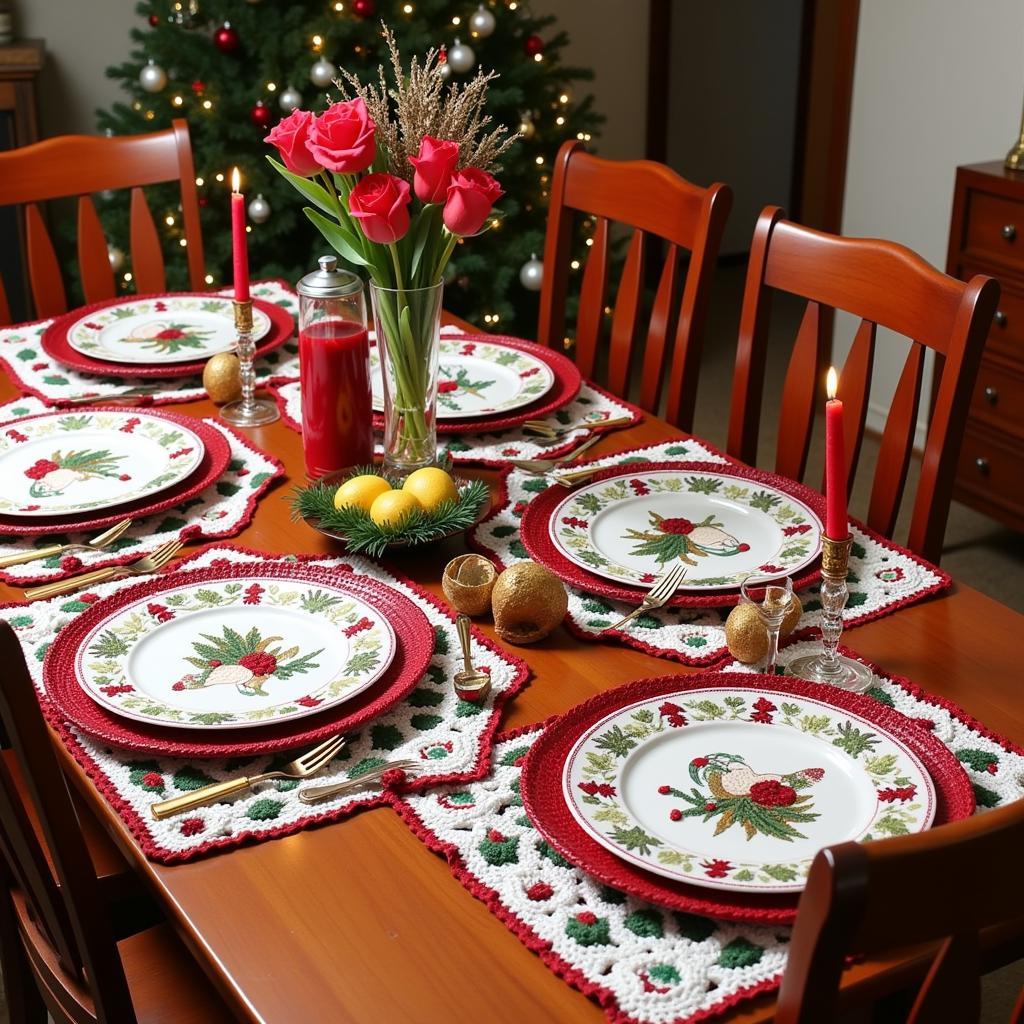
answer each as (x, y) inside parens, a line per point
(358, 921)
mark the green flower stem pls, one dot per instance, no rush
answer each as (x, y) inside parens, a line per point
(445, 255)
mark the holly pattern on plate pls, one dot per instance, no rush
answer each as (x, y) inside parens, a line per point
(168, 338)
(56, 474)
(668, 539)
(451, 387)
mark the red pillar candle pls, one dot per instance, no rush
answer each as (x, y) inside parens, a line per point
(836, 525)
(239, 245)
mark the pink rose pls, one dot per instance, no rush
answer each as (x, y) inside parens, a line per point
(471, 195)
(342, 138)
(290, 136)
(434, 168)
(380, 202)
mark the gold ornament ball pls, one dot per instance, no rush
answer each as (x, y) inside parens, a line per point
(222, 379)
(528, 603)
(745, 633)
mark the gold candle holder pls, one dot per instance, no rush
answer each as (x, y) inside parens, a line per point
(829, 666)
(247, 411)
(1015, 158)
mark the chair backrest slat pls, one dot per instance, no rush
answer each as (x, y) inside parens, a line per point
(590, 319)
(886, 285)
(147, 259)
(93, 260)
(5, 307)
(43, 268)
(659, 332)
(626, 317)
(658, 205)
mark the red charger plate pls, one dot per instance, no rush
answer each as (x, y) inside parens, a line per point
(535, 534)
(55, 341)
(413, 651)
(215, 459)
(565, 388)
(546, 806)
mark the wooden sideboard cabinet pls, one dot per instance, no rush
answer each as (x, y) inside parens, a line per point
(987, 236)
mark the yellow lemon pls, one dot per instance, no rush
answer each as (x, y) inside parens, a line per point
(431, 487)
(360, 491)
(391, 507)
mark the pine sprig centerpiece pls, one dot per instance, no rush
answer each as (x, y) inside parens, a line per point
(314, 504)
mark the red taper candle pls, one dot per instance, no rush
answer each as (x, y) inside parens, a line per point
(239, 244)
(836, 525)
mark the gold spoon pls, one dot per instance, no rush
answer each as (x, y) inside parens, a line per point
(470, 684)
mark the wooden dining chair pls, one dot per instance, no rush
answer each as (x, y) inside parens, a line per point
(78, 165)
(61, 947)
(884, 284)
(946, 885)
(656, 203)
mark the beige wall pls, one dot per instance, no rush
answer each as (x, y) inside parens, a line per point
(937, 83)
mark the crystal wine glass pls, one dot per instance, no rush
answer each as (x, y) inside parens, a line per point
(771, 598)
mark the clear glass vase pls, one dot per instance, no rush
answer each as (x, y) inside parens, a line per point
(408, 326)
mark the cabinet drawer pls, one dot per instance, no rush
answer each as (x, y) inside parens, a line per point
(998, 400)
(995, 227)
(1006, 335)
(990, 472)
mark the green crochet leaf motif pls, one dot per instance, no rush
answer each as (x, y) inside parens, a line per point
(740, 953)
(645, 923)
(264, 809)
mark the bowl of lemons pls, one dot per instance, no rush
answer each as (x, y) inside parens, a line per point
(372, 512)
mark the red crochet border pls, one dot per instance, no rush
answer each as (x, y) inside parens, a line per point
(162, 855)
(605, 997)
(28, 389)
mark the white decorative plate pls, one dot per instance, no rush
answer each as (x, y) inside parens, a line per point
(174, 329)
(723, 528)
(235, 653)
(733, 789)
(478, 378)
(65, 463)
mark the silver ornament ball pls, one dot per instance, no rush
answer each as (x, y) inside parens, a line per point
(291, 99)
(116, 257)
(322, 73)
(461, 58)
(444, 70)
(531, 274)
(481, 23)
(152, 77)
(259, 210)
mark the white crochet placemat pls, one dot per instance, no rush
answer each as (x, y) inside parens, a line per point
(431, 725)
(883, 576)
(222, 510)
(35, 373)
(642, 963)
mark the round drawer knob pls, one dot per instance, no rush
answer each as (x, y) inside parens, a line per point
(981, 465)
(991, 395)
(1000, 318)
(1009, 232)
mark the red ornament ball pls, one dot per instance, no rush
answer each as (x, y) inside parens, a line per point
(365, 8)
(198, 87)
(533, 45)
(226, 39)
(261, 115)
(154, 20)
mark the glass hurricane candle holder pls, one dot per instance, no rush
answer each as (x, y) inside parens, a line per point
(771, 598)
(248, 411)
(830, 666)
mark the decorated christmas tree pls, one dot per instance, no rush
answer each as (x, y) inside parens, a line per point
(233, 68)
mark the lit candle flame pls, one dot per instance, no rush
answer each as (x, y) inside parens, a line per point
(832, 383)
(236, 181)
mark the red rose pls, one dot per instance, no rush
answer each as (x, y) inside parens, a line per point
(290, 135)
(342, 138)
(770, 793)
(471, 195)
(259, 663)
(444, 387)
(678, 526)
(434, 168)
(380, 202)
(699, 762)
(171, 334)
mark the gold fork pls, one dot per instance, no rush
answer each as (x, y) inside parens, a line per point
(546, 465)
(302, 767)
(544, 429)
(661, 592)
(96, 544)
(150, 563)
(314, 794)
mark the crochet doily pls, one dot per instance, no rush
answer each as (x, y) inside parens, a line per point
(883, 576)
(431, 725)
(221, 510)
(36, 374)
(640, 962)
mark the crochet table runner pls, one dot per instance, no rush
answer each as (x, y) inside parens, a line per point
(883, 576)
(35, 373)
(641, 963)
(431, 725)
(222, 510)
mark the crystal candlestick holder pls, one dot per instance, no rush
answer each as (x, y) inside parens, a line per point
(830, 666)
(248, 411)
